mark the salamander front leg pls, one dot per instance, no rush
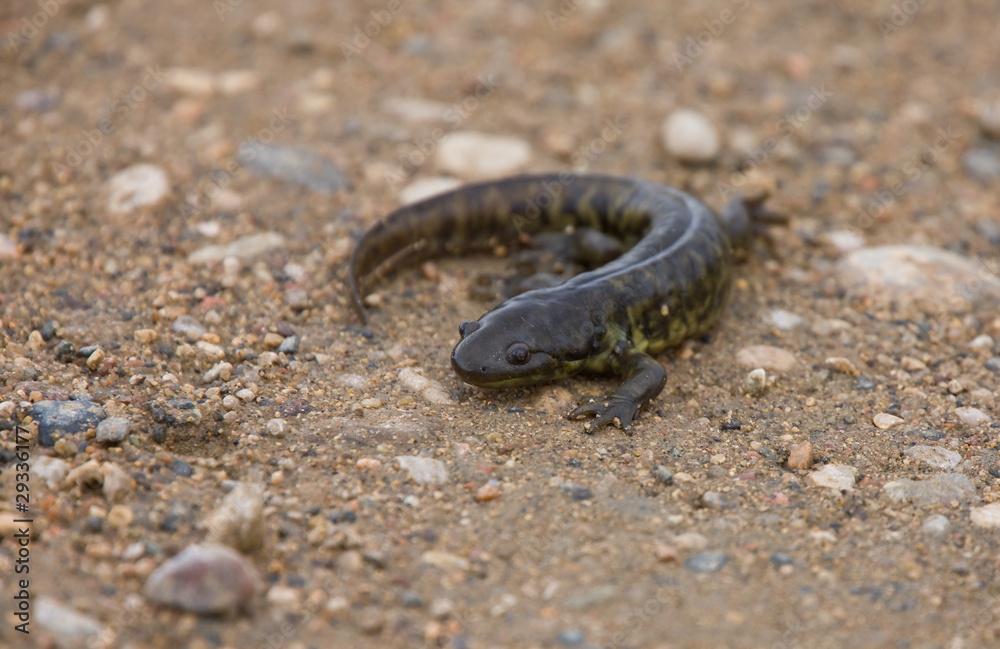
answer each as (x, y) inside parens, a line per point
(644, 379)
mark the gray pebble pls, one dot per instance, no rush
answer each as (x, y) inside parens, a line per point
(65, 351)
(715, 500)
(663, 474)
(931, 434)
(189, 327)
(296, 164)
(937, 489)
(60, 418)
(570, 637)
(993, 364)
(864, 383)
(981, 164)
(706, 562)
(289, 345)
(936, 525)
(779, 559)
(113, 430)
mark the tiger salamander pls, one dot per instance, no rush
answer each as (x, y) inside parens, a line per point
(669, 286)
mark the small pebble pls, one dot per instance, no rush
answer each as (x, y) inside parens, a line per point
(205, 580)
(272, 340)
(249, 247)
(666, 553)
(885, 421)
(211, 353)
(145, 336)
(780, 559)
(691, 541)
(800, 456)
(476, 156)
(487, 492)
(982, 341)
(936, 525)
(71, 627)
(834, 476)
(756, 382)
(426, 187)
(366, 464)
(570, 637)
(371, 404)
(941, 488)
(190, 81)
(239, 520)
(94, 360)
(246, 395)
(423, 470)
(972, 416)
(59, 418)
(275, 427)
(136, 187)
(289, 345)
(690, 137)
(987, 516)
(189, 327)
(842, 365)
(299, 164)
(934, 456)
(982, 164)
(706, 562)
(113, 430)
(663, 475)
(229, 402)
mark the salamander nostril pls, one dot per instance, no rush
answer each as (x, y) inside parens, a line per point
(468, 327)
(482, 369)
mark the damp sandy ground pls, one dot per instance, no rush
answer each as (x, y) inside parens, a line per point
(874, 123)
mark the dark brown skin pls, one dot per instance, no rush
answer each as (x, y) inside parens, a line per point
(671, 285)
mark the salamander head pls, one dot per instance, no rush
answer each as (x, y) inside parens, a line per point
(524, 341)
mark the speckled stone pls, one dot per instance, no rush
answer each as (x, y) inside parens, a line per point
(58, 418)
(203, 579)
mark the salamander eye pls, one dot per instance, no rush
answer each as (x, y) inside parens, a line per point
(518, 354)
(468, 327)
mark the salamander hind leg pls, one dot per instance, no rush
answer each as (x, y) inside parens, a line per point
(645, 378)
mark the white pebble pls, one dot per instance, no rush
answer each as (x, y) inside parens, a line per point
(141, 185)
(246, 395)
(475, 156)
(934, 456)
(885, 421)
(690, 137)
(936, 525)
(229, 402)
(986, 516)
(422, 188)
(276, 427)
(982, 342)
(188, 81)
(971, 416)
(834, 476)
(781, 319)
(424, 470)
